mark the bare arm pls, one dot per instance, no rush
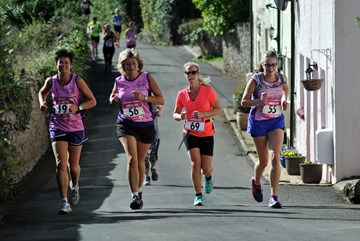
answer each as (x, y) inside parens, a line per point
(43, 93)
(90, 98)
(286, 92)
(215, 110)
(113, 99)
(157, 97)
(178, 115)
(246, 100)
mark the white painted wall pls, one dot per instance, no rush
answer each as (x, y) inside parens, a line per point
(347, 87)
(327, 34)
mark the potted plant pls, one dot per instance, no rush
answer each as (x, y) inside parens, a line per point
(284, 149)
(311, 172)
(293, 159)
(242, 113)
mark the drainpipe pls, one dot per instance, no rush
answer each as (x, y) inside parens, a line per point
(292, 75)
(278, 31)
(251, 36)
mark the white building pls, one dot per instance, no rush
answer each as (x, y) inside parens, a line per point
(324, 34)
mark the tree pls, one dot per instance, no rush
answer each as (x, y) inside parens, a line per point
(221, 16)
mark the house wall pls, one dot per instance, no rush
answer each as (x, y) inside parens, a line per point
(323, 27)
(346, 89)
(314, 28)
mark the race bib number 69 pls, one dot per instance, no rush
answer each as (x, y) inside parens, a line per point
(195, 124)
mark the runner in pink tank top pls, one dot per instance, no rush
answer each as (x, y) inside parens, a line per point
(135, 91)
(70, 95)
(267, 93)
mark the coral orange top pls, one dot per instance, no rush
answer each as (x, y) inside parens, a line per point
(202, 103)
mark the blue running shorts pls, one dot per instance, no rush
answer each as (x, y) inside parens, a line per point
(74, 138)
(263, 127)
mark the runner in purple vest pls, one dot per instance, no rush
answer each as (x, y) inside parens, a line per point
(135, 91)
(266, 93)
(70, 95)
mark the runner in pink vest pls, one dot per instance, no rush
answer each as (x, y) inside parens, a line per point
(267, 93)
(135, 91)
(70, 95)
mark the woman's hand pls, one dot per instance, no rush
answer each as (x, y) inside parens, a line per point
(137, 95)
(114, 99)
(43, 106)
(284, 105)
(198, 114)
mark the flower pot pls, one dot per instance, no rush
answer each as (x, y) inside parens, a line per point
(242, 120)
(312, 84)
(292, 164)
(311, 173)
(282, 161)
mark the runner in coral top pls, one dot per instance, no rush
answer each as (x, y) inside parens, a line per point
(200, 103)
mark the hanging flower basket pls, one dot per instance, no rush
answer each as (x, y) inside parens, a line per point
(312, 84)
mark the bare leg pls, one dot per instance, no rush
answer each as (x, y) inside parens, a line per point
(275, 142)
(195, 159)
(60, 150)
(261, 144)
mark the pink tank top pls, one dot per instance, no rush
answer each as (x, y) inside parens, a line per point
(273, 105)
(134, 112)
(62, 96)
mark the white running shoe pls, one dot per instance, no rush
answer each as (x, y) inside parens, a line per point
(65, 207)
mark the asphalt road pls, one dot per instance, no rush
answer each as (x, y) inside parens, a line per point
(230, 213)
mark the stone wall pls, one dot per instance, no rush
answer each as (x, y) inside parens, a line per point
(237, 51)
(31, 144)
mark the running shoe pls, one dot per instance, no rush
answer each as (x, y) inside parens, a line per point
(198, 201)
(256, 191)
(208, 186)
(147, 180)
(65, 207)
(136, 202)
(74, 196)
(274, 202)
(154, 175)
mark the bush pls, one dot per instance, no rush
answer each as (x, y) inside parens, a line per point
(191, 32)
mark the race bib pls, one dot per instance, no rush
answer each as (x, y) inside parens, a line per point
(133, 110)
(109, 43)
(195, 124)
(62, 107)
(271, 109)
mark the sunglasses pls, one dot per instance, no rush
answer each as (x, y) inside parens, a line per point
(191, 72)
(270, 65)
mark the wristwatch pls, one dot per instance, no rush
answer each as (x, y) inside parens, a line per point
(146, 98)
(81, 108)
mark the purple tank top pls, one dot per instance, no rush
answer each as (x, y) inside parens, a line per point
(62, 96)
(134, 112)
(273, 106)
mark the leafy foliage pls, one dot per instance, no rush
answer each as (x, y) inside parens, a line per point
(31, 31)
(220, 17)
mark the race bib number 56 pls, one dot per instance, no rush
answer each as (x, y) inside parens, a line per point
(133, 110)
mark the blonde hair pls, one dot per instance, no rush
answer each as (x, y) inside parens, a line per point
(124, 55)
(202, 80)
